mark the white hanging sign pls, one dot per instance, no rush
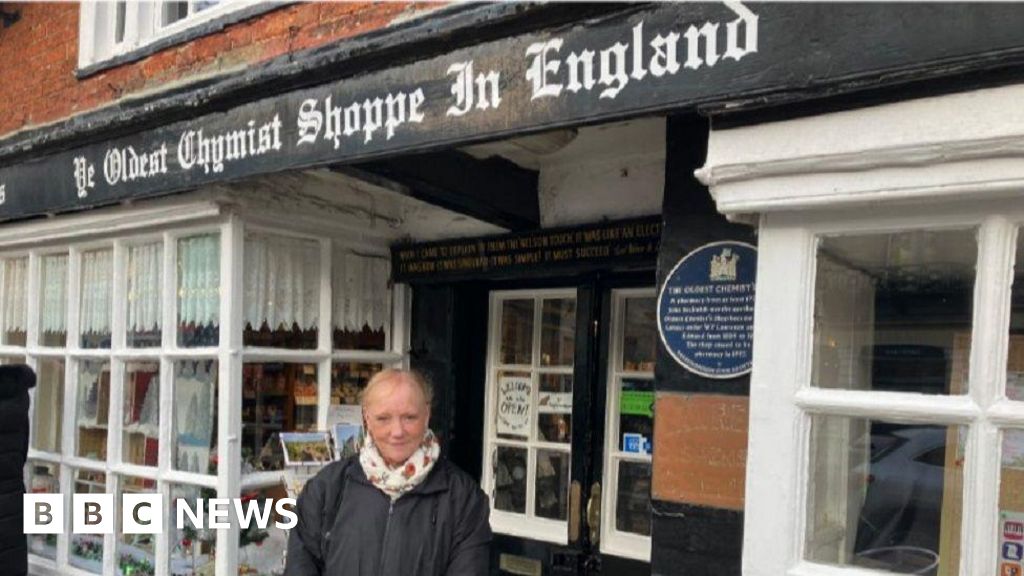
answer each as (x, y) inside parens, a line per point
(514, 397)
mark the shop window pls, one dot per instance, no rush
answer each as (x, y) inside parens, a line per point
(49, 406)
(893, 311)
(43, 478)
(14, 306)
(261, 550)
(140, 443)
(92, 410)
(86, 550)
(144, 272)
(8, 360)
(882, 495)
(194, 420)
(630, 425)
(362, 301)
(282, 291)
(53, 301)
(349, 379)
(517, 332)
(276, 397)
(96, 297)
(135, 553)
(193, 550)
(199, 291)
(530, 391)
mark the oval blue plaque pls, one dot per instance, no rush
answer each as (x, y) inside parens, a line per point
(706, 309)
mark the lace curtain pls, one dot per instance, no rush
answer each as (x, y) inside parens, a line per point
(97, 283)
(145, 265)
(282, 282)
(199, 280)
(362, 296)
(53, 308)
(15, 291)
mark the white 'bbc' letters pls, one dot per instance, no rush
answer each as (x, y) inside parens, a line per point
(141, 513)
(93, 514)
(44, 514)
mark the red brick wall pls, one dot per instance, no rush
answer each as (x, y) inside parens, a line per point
(39, 54)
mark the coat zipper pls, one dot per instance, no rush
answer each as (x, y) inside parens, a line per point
(384, 545)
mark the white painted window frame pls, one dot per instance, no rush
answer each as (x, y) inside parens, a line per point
(142, 26)
(521, 525)
(613, 541)
(229, 353)
(783, 400)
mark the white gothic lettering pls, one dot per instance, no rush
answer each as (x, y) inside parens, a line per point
(614, 67)
(195, 148)
(367, 117)
(127, 165)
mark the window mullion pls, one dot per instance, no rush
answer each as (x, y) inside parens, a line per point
(991, 311)
(325, 334)
(979, 538)
(229, 425)
(987, 380)
(778, 436)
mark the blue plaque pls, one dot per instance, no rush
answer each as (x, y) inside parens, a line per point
(706, 310)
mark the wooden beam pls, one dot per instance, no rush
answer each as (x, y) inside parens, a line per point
(493, 190)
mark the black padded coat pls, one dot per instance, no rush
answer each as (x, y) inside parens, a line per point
(348, 527)
(14, 404)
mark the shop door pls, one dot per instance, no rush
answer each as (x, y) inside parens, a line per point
(549, 369)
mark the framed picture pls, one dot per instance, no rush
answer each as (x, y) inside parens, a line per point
(305, 448)
(348, 438)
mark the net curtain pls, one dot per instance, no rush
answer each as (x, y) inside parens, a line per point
(282, 282)
(15, 291)
(145, 265)
(97, 282)
(199, 280)
(53, 308)
(362, 297)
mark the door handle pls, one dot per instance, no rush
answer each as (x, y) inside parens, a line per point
(594, 514)
(575, 496)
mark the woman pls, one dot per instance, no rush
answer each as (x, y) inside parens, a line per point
(396, 508)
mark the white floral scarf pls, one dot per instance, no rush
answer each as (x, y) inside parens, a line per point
(396, 482)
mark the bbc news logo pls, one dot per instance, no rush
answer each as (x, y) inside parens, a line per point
(144, 513)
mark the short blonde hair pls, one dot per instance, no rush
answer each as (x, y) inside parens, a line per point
(389, 374)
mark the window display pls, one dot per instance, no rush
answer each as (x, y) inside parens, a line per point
(43, 478)
(140, 442)
(194, 433)
(92, 409)
(135, 553)
(86, 550)
(276, 398)
(278, 390)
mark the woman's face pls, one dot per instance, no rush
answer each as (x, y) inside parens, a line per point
(397, 416)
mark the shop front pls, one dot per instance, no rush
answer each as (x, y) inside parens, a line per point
(504, 215)
(885, 416)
